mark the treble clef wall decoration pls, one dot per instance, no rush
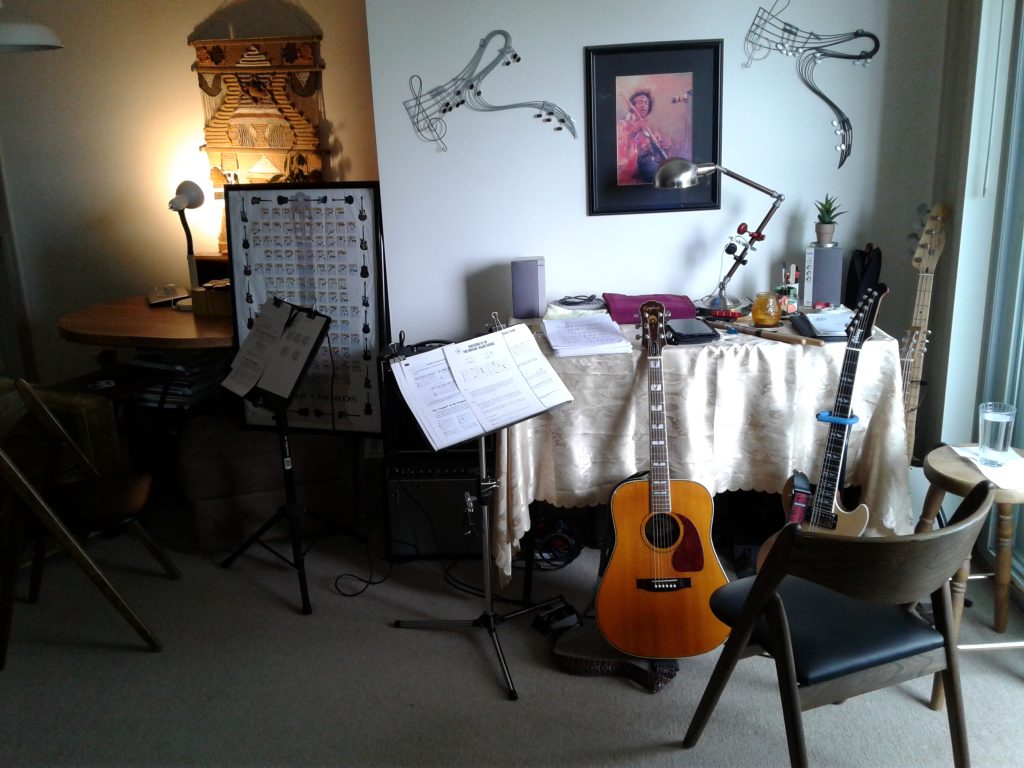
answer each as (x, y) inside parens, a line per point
(427, 110)
(768, 34)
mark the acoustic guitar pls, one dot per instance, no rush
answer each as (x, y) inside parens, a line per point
(915, 340)
(653, 598)
(822, 511)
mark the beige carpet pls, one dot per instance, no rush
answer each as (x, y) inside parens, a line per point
(245, 680)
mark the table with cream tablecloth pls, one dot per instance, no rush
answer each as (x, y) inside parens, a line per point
(741, 414)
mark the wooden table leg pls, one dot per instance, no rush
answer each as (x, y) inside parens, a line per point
(1004, 561)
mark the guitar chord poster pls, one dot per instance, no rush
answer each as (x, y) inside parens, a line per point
(318, 246)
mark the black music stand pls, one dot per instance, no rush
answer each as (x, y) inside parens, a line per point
(489, 619)
(301, 346)
(435, 382)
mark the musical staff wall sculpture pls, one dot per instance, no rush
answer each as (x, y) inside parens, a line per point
(428, 111)
(769, 34)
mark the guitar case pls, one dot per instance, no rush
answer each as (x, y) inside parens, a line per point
(584, 651)
(864, 272)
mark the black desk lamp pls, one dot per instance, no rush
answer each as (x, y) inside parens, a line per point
(679, 173)
(187, 195)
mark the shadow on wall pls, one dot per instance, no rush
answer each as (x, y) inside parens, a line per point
(489, 290)
(250, 19)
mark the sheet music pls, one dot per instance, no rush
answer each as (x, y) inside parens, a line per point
(464, 390)
(254, 354)
(595, 334)
(279, 344)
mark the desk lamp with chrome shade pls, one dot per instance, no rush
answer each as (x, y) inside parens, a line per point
(188, 195)
(679, 173)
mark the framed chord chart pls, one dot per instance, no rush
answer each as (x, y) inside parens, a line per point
(318, 246)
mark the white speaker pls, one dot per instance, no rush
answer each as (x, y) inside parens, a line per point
(528, 296)
(823, 275)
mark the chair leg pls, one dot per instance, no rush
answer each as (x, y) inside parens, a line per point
(789, 690)
(732, 652)
(958, 592)
(12, 538)
(140, 533)
(945, 622)
(35, 580)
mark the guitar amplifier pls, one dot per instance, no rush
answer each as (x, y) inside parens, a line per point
(426, 504)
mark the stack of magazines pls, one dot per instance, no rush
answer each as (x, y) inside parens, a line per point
(595, 334)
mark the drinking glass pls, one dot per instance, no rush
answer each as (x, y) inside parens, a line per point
(995, 428)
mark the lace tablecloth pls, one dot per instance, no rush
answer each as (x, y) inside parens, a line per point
(740, 413)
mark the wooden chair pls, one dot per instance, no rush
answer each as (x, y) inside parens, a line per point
(68, 499)
(836, 614)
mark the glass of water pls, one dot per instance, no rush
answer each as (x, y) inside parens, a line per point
(995, 428)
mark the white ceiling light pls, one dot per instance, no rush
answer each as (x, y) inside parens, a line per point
(19, 34)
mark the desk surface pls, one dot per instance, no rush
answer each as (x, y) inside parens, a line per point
(133, 323)
(740, 414)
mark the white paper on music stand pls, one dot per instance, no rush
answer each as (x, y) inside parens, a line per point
(294, 347)
(461, 391)
(253, 356)
(535, 366)
(433, 397)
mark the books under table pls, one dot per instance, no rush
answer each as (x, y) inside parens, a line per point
(464, 390)
(595, 334)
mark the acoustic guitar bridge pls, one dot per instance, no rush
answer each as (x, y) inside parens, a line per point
(662, 585)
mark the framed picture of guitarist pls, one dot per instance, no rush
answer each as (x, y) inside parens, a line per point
(646, 103)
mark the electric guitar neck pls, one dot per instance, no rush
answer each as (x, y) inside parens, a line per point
(915, 340)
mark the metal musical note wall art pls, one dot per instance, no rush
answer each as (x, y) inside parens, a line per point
(769, 34)
(429, 110)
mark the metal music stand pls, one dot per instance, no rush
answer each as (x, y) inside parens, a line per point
(291, 511)
(489, 619)
(278, 401)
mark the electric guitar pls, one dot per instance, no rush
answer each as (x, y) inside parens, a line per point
(915, 340)
(822, 511)
(653, 598)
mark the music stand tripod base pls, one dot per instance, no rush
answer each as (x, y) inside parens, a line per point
(290, 511)
(488, 620)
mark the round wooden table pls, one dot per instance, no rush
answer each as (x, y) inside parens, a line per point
(133, 323)
(948, 472)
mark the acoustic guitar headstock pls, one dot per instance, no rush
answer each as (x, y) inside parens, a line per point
(652, 327)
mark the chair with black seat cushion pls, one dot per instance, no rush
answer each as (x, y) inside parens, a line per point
(836, 613)
(54, 487)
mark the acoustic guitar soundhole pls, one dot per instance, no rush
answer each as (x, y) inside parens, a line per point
(661, 530)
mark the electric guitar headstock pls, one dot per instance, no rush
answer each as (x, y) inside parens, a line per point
(933, 239)
(652, 327)
(862, 324)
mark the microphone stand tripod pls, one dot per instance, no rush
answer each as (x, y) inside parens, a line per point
(488, 620)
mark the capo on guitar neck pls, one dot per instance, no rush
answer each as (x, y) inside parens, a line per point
(827, 417)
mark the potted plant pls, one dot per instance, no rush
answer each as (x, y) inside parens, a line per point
(828, 212)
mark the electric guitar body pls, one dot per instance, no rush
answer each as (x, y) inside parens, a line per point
(654, 597)
(821, 511)
(852, 522)
(653, 600)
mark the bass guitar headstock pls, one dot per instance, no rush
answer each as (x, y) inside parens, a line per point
(862, 323)
(652, 327)
(933, 239)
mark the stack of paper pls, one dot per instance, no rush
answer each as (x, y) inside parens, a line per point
(588, 335)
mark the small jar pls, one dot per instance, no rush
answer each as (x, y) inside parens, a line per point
(766, 312)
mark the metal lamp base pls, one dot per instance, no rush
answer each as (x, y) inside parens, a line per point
(722, 301)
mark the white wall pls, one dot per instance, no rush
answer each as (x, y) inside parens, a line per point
(96, 136)
(507, 188)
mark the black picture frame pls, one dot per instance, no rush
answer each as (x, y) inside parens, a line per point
(319, 246)
(683, 81)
